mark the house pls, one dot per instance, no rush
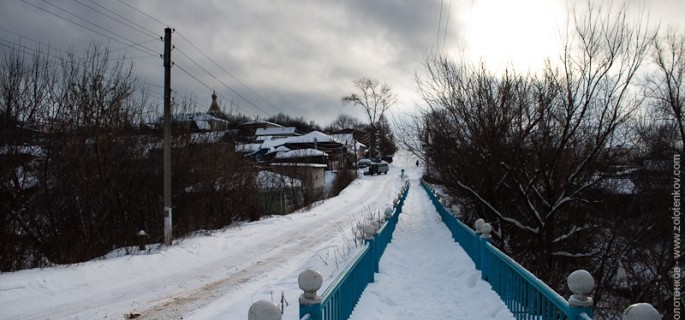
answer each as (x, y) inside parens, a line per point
(355, 149)
(311, 175)
(278, 194)
(332, 153)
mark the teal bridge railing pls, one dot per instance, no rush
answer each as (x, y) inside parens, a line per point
(526, 296)
(338, 301)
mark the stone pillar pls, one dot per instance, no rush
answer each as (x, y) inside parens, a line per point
(581, 283)
(641, 311)
(310, 281)
(478, 224)
(456, 212)
(264, 310)
(142, 240)
(388, 213)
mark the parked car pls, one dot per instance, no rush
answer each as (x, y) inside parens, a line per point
(377, 168)
(363, 163)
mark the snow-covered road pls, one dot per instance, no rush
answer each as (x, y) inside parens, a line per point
(205, 277)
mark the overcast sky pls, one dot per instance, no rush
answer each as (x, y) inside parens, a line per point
(298, 57)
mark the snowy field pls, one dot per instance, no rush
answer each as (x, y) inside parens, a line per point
(218, 276)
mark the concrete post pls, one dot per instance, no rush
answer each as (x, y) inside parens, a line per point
(581, 283)
(142, 240)
(369, 231)
(264, 310)
(310, 281)
(388, 213)
(478, 224)
(456, 212)
(641, 311)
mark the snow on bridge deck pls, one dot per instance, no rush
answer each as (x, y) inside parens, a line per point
(424, 274)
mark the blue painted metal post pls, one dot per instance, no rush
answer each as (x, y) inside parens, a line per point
(314, 311)
(484, 266)
(485, 230)
(310, 281)
(477, 243)
(575, 312)
(374, 255)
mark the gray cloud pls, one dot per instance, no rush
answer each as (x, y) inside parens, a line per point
(300, 55)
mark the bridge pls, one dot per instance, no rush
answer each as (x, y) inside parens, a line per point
(422, 262)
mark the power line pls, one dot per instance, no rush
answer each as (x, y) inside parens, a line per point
(133, 45)
(231, 75)
(98, 26)
(26, 49)
(194, 62)
(152, 34)
(447, 23)
(437, 39)
(210, 59)
(195, 78)
(224, 84)
(85, 27)
(143, 13)
(125, 19)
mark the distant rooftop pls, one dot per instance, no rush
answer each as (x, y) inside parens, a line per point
(282, 131)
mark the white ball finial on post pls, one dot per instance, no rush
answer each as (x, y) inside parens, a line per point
(485, 230)
(264, 310)
(478, 224)
(388, 213)
(641, 311)
(581, 283)
(456, 211)
(369, 231)
(310, 281)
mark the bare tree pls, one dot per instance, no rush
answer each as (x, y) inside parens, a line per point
(375, 99)
(528, 152)
(342, 122)
(667, 86)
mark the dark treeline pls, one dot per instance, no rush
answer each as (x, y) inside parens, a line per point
(572, 166)
(81, 173)
(81, 162)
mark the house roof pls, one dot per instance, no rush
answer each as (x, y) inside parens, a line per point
(312, 137)
(301, 153)
(260, 123)
(275, 131)
(347, 139)
(302, 165)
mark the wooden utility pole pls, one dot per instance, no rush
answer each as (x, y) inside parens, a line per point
(168, 237)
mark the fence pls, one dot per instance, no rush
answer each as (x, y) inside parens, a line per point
(526, 296)
(338, 301)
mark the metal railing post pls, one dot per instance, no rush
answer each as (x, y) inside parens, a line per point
(370, 232)
(485, 230)
(477, 243)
